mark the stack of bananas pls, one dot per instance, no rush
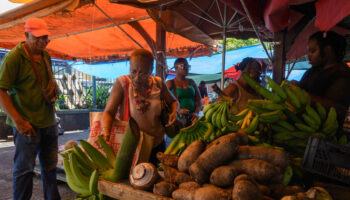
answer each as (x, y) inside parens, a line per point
(197, 131)
(83, 170)
(287, 114)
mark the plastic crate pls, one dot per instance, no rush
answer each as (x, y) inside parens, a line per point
(327, 159)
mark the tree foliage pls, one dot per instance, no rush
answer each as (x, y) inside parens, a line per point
(233, 43)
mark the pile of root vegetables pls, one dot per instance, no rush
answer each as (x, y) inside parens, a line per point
(226, 168)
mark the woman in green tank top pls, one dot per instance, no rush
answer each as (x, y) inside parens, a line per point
(186, 91)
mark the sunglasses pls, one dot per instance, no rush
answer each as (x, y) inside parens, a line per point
(183, 66)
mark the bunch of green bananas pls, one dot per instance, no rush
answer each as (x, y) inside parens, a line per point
(83, 170)
(197, 131)
(289, 115)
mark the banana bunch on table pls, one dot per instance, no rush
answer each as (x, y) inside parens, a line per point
(199, 130)
(83, 170)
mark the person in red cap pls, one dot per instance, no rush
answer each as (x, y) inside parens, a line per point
(27, 95)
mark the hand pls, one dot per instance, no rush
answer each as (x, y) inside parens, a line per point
(25, 128)
(183, 111)
(172, 119)
(194, 116)
(106, 134)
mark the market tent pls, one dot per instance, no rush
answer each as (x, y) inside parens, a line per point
(92, 31)
(289, 23)
(268, 17)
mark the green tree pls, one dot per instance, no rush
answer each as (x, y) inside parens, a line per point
(233, 43)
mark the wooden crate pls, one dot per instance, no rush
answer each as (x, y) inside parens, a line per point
(123, 191)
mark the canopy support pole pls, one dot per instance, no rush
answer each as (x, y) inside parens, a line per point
(115, 24)
(99, 28)
(255, 30)
(290, 70)
(224, 49)
(160, 51)
(279, 61)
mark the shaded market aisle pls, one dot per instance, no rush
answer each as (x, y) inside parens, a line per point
(6, 166)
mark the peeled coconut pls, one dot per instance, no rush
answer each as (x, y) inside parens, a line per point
(69, 144)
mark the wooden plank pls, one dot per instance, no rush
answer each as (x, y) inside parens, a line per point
(122, 191)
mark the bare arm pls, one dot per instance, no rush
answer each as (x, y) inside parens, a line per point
(114, 100)
(170, 100)
(231, 91)
(197, 97)
(23, 126)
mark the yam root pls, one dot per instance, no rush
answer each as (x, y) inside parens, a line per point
(274, 156)
(223, 176)
(172, 175)
(244, 177)
(183, 194)
(264, 189)
(260, 170)
(279, 191)
(241, 140)
(211, 192)
(168, 159)
(246, 190)
(221, 151)
(164, 188)
(190, 155)
(189, 185)
(243, 136)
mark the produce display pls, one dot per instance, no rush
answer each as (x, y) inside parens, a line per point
(227, 168)
(225, 154)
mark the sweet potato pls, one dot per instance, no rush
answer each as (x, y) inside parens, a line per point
(246, 190)
(264, 189)
(221, 151)
(168, 159)
(172, 175)
(223, 176)
(260, 170)
(242, 138)
(190, 155)
(244, 177)
(278, 191)
(211, 192)
(183, 194)
(189, 185)
(274, 156)
(164, 188)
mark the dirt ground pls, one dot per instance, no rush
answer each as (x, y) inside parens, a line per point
(6, 165)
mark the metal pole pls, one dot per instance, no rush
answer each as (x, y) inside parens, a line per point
(94, 90)
(115, 24)
(223, 51)
(256, 31)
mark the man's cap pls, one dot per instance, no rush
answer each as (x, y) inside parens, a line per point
(36, 26)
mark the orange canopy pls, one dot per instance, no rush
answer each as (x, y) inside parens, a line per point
(87, 32)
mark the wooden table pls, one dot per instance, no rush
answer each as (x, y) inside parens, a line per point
(123, 191)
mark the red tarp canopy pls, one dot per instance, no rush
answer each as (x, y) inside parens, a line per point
(278, 15)
(87, 33)
(269, 16)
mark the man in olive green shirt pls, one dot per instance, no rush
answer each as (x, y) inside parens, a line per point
(32, 119)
